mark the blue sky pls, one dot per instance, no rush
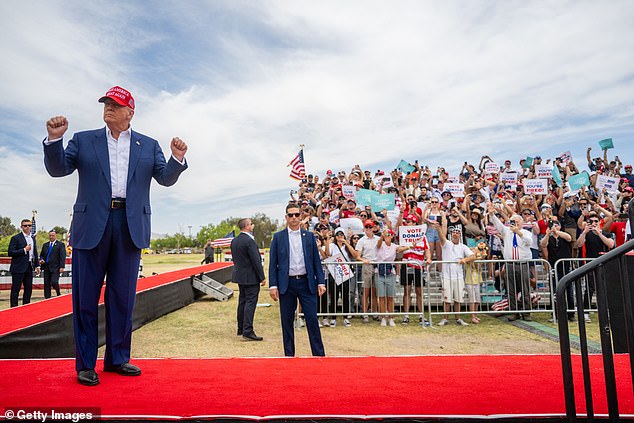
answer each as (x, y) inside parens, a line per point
(244, 83)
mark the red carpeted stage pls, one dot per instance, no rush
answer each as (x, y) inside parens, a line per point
(505, 387)
(434, 387)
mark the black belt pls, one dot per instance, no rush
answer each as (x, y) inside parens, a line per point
(297, 277)
(117, 203)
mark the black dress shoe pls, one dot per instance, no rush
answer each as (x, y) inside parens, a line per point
(239, 332)
(88, 377)
(252, 337)
(125, 369)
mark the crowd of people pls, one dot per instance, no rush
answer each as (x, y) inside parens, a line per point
(497, 215)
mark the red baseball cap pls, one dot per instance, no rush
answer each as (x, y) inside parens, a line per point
(368, 222)
(119, 95)
(412, 217)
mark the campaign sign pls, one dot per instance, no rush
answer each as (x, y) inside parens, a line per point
(334, 216)
(509, 178)
(339, 272)
(453, 180)
(352, 224)
(544, 171)
(364, 197)
(405, 167)
(491, 167)
(610, 184)
(383, 201)
(565, 157)
(528, 162)
(536, 186)
(457, 190)
(557, 177)
(606, 144)
(579, 180)
(393, 216)
(409, 235)
(349, 191)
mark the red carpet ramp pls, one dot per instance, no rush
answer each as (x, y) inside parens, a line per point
(471, 386)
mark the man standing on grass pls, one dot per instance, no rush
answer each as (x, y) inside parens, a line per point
(249, 275)
(296, 273)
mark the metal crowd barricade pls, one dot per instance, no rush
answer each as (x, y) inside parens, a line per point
(351, 290)
(530, 278)
(564, 267)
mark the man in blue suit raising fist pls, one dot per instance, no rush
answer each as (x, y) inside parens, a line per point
(111, 223)
(295, 272)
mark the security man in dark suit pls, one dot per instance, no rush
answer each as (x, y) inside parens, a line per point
(249, 275)
(23, 253)
(295, 273)
(52, 262)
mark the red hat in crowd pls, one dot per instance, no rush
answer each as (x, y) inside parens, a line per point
(368, 222)
(412, 217)
(119, 95)
(628, 166)
(628, 189)
(391, 232)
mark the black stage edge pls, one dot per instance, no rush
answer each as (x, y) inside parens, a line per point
(55, 339)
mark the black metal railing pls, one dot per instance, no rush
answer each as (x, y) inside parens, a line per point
(616, 303)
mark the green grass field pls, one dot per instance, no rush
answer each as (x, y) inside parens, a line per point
(207, 328)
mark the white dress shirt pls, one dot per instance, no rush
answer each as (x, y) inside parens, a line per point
(29, 241)
(119, 155)
(296, 264)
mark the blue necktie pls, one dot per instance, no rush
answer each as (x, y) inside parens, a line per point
(50, 248)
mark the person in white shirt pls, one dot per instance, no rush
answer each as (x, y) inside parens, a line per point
(386, 280)
(517, 251)
(458, 254)
(366, 247)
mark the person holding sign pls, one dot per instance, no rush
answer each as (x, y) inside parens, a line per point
(412, 273)
(386, 252)
(337, 288)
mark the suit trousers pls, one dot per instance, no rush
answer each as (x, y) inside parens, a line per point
(247, 301)
(517, 281)
(51, 279)
(115, 258)
(17, 280)
(298, 290)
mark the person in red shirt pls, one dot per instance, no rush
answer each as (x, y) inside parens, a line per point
(618, 228)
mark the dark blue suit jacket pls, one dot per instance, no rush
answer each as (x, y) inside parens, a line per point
(19, 258)
(280, 256)
(88, 153)
(247, 264)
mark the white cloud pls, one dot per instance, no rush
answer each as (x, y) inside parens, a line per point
(356, 82)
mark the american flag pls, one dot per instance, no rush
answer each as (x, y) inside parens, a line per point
(225, 241)
(298, 171)
(33, 228)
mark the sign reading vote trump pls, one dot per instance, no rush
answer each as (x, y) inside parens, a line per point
(536, 186)
(410, 235)
(339, 271)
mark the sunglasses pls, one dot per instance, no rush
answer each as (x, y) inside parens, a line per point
(434, 202)
(527, 213)
(339, 234)
(369, 226)
(27, 226)
(593, 220)
(293, 214)
(363, 215)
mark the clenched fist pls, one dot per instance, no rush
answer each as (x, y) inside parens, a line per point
(56, 127)
(179, 148)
